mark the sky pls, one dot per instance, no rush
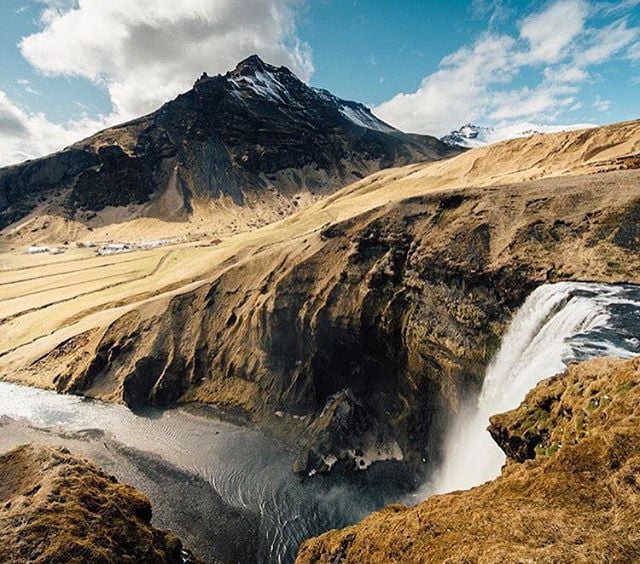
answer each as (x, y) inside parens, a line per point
(71, 67)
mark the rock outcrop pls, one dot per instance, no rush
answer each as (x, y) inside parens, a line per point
(570, 491)
(255, 137)
(55, 507)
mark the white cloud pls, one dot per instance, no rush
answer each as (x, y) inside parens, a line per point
(545, 100)
(565, 74)
(24, 135)
(146, 52)
(551, 31)
(606, 42)
(456, 91)
(479, 82)
(602, 105)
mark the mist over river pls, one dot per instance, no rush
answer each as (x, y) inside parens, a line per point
(214, 482)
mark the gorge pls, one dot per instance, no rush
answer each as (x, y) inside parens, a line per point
(558, 324)
(275, 314)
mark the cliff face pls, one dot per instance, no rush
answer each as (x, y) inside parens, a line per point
(254, 137)
(352, 327)
(59, 508)
(568, 493)
(359, 340)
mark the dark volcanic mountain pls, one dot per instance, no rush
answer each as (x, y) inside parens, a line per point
(255, 134)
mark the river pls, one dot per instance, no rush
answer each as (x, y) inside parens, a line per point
(557, 324)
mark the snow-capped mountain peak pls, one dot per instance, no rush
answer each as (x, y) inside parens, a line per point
(472, 136)
(254, 81)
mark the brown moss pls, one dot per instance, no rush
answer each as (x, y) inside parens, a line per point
(576, 498)
(57, 508)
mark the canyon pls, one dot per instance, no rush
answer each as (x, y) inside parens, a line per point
(285, 259)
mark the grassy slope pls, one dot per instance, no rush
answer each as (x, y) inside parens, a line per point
(36, 323)
(59, 508)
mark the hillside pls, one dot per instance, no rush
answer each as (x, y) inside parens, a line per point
(59, 508)
(235, 152)
(352, 327)
(568, 493)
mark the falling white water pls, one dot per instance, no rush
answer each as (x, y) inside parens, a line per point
(557, 323)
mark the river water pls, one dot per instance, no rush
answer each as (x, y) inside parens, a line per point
(558, 323)
(247, 468)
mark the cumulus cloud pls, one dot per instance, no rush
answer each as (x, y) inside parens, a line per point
(551, 31)
(143, 53)
(25, 134)
(479, 82)
(147, 51)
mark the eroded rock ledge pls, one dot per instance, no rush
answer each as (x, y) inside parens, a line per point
(570, 491)
(56, 507)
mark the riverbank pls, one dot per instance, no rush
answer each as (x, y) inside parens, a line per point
(184, 503)
(186, 463)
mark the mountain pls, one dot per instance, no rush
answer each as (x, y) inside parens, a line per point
(471, 136)
(255, 138)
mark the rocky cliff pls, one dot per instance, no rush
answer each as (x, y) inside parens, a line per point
(568, 493)
(355, 326)
(256, 137)
(361, 338)
(59, 508)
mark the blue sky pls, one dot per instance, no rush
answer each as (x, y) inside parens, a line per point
(73, 66)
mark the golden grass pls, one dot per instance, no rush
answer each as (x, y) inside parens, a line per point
(60, 300)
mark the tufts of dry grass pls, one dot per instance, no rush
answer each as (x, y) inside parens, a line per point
(573, 497)
(56, 508)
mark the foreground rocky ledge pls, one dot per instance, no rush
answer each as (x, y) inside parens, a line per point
(569, 492)
(56, 507)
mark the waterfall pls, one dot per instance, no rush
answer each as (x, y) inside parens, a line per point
(557, 324)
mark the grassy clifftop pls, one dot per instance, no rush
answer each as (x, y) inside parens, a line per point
(55, 507)
(570, 491)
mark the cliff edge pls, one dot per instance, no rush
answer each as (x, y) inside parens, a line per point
(55, 507)
(569, 492)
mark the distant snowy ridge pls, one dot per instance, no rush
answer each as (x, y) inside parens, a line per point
(472, 136)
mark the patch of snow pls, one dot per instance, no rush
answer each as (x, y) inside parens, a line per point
(354, 112)
(361, 117)
(264, 84)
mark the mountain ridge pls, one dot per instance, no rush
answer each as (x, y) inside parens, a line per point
(255, 137)
(472, 136)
